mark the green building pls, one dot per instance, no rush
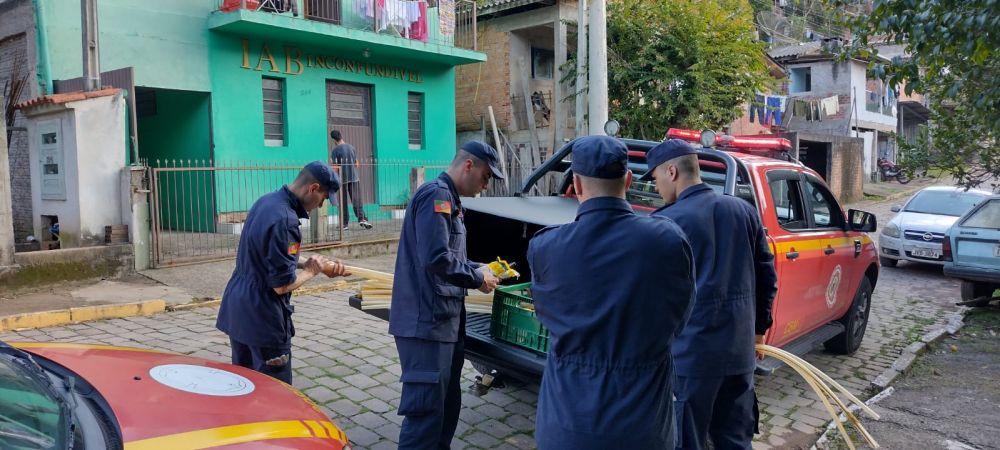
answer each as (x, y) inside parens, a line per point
(227, 84)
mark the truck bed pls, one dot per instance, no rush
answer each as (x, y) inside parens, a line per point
(484, 351)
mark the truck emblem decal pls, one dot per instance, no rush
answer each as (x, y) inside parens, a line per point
(831, 289)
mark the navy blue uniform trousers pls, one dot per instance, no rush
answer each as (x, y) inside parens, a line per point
(432, 397)
(727, 401)
(256, 358)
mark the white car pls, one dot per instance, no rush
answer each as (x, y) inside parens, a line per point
(916, 233)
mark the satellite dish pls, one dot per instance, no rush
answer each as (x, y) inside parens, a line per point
(773, 24)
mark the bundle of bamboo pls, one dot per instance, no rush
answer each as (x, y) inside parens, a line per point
(376, 292)
(824, 387)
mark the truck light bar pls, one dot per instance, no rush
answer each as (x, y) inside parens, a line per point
(738, 143)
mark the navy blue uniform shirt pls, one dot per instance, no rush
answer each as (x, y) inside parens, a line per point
(736, 282)
(251, 312)
(433, 271)
(614, 289)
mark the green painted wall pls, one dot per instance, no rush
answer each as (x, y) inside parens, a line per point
(178, 136)
(179, 129)
(171, 46)
(166, 41)
(238, 111)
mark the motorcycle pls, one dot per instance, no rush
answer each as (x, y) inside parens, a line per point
(888, 169)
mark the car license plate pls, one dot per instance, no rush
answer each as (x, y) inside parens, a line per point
(926, 253)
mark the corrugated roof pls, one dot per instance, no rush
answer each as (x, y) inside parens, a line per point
(56, 99)
(499, 7)
(800, 49)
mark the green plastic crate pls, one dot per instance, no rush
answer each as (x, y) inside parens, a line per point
(512, 323)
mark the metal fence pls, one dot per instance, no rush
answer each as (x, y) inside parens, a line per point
(444, 22)
(198, 208)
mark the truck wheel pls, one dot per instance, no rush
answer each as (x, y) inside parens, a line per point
(887, 262)
(972, 290)
(855, 322)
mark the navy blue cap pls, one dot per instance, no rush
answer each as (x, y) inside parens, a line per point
(326, 177)
(487, 153)
(665, 151)
(599, 157)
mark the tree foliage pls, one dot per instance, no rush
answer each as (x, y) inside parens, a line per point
(954, 59)
(687, 63)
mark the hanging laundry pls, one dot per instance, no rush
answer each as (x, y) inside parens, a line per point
(418, 29)
(784, 105)
(364, 8)
(800, 109)
(831, 106)
(814, 107)
(757, 107)
(774, 110)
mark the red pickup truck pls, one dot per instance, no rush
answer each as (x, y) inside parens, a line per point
(827, 265)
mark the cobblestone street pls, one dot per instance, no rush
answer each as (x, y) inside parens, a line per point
(346, 362)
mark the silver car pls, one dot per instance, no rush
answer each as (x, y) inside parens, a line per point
(916, 233)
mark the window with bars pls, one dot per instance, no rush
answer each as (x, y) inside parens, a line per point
(274, 111)
(415, 116)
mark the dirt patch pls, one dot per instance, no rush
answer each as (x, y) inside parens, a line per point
(950, 398)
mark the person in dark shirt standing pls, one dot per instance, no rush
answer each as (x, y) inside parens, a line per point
(736, 284)
(614, 288)
(344, 156)
(433, 274)
(256, 309)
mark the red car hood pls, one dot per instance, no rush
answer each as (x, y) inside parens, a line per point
(211, 404)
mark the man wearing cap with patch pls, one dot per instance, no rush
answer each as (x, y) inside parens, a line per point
(256, 309)
(612, 308)
(427, 315)
(736, 286)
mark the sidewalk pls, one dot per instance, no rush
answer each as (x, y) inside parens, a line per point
(176, 286)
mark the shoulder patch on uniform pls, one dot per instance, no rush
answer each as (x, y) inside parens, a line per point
(293, 249)
(442, 206)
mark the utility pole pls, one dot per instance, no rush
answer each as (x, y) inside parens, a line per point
(91, 56)
(598, 67)
(581, 67)
(6, 211)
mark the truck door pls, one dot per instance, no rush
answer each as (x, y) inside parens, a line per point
(797, 257)
(838, 275)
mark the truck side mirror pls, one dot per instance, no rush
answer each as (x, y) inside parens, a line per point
(861, 221)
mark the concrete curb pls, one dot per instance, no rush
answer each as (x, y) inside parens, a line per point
(832, 427)
(953, 323)
(44, 319)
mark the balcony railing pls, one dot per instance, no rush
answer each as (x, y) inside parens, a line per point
(450, 23)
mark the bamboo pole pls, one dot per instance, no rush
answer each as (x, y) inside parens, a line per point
(821, 384)
(370, 274)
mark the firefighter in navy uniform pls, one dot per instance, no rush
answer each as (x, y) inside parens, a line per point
(427, 315)
(612, 307)
(714, 355)
(256, 309)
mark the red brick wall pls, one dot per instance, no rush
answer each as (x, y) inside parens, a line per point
(846, 171)
(480, 85)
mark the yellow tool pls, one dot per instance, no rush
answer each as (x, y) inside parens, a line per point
(502, 270)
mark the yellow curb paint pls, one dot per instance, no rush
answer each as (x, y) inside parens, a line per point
(35, 320)
(193, 305)
(83, 314)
